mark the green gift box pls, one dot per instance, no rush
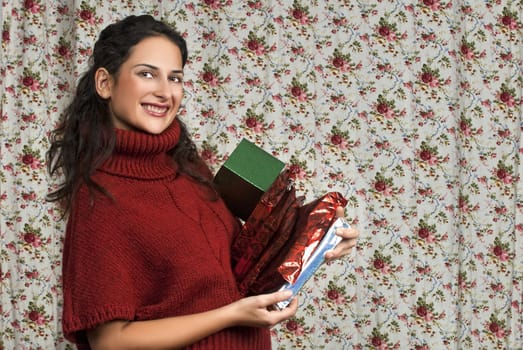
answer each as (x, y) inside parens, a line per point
(245, 176)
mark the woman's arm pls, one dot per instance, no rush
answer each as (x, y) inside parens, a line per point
(178, 332)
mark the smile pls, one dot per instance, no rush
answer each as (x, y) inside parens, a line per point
(155, 109)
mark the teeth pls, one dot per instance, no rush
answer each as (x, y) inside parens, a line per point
(155, 109)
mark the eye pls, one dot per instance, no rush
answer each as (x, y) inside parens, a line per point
(176, 78)
(146, 74)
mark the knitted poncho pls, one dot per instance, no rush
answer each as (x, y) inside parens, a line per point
(159, 248)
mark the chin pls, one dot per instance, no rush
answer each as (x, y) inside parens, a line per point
(156, 129)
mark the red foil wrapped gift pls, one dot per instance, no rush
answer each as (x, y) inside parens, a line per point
(279, 235)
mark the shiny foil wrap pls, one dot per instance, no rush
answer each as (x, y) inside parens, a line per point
(316, 259)
(279, 235)
(313, 222)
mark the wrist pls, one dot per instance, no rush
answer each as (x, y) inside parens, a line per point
(227, 316)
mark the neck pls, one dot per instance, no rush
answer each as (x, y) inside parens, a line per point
(142, 155)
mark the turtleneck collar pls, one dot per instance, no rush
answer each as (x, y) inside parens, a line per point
(143, 156)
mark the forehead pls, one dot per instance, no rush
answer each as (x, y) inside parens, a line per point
(158, 51)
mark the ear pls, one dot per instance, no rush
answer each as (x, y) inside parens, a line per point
(103, 82)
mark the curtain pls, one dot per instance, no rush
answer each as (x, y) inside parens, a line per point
(410, 109)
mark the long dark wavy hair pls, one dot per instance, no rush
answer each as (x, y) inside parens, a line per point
(85, 138)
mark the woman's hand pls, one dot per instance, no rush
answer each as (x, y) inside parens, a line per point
(349, 240)
(258, 311)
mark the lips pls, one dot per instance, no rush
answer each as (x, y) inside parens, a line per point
(156, 110)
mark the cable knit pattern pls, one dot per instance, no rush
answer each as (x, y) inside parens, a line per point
(159, 248)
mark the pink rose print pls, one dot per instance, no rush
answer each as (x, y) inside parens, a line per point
(434, 5)
(508, 19)
(255, 46)
(6, 37)
(299, 93)
(299, 13)
(504, 173)
(336, 139)
(467, 50)
(32, 6)
(294, 327)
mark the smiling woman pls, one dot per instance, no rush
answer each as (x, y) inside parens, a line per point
(141, 209)
(147, 252)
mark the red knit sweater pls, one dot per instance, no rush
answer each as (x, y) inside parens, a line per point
(160, 249)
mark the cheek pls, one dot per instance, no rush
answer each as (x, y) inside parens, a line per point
(179, 90)
(178, 94)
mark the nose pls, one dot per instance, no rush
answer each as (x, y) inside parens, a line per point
(163, 88)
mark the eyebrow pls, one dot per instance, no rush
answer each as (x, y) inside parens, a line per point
(177, 71)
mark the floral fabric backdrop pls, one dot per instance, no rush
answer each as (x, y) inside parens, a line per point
(411, 109)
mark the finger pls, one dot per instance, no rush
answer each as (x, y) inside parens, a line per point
(343, 248)
(276, 297)
(330, 255)
(279, 315)
(340, 212)
(293, 306)
(348, 233)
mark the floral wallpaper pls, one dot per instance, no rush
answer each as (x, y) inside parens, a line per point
(410, 109)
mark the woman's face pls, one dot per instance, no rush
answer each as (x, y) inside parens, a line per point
(148, 90)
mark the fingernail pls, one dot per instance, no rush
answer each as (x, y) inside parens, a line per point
(287, 293)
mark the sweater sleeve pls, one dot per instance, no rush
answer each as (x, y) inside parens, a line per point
(97, 264)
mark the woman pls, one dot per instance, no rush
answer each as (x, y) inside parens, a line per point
(146, 260)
